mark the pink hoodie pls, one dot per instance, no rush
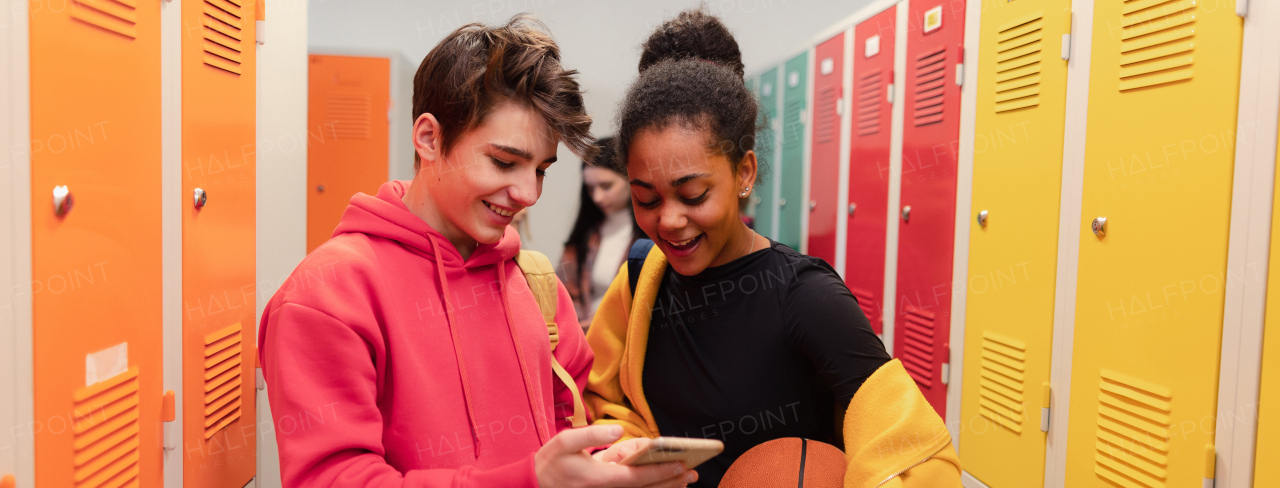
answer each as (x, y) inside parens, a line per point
(393, 362)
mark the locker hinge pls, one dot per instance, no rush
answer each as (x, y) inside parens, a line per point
(1066, 38)
(260, 24)
(168, 414)
(1210, 464)
(1242, 7)
(1045, 407)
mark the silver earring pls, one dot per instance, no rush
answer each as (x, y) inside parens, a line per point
(744, 193)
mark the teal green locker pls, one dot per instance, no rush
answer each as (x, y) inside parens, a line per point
(765, 198)
(791, 207)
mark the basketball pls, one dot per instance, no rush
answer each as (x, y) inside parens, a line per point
(787, 463)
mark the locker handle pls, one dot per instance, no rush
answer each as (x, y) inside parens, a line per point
(63, 200)
(8, 481)
(1099, 227)
(199, 197)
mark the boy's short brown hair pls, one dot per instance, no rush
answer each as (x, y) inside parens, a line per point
(477, 67)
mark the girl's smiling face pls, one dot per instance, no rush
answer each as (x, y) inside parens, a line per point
(685, 196)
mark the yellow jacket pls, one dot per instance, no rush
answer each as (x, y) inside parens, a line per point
(894, 438)
(615, 392)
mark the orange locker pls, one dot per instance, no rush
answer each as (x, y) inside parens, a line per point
(218, 243)
(347, 124)
(96, 243)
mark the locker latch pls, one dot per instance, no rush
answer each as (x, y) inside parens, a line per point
(946, 373)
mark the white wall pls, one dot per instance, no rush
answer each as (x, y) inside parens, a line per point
(601, 39)
(282, 178)
(17, 455)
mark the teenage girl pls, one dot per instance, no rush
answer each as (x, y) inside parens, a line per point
(728, 334)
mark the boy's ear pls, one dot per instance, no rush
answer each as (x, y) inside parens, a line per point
(428, 139)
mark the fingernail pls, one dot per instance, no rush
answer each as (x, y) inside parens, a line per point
(615, 430)
(691, 477)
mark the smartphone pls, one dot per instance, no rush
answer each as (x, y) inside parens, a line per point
(668, 449)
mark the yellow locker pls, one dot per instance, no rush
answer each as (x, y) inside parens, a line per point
(95, 216)
(1163, 92)
(218, 242)
(1266, 470)
(1017, 179)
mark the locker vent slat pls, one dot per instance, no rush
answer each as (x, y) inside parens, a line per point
(222, 26)
(222, 382)
(929, 88)
(115, 16)
(867, 303)
(350, 116)
(1018, 56)
(793, 130)
(827, 126)
(1134, 420)
(870, 90)
(105, 429)
(1157, 45)
(917, 356)
(1002, 386)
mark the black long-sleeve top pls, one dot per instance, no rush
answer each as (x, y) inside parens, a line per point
(765, 347)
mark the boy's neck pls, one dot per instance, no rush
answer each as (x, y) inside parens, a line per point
(418, 198)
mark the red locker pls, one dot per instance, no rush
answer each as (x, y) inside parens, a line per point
(871, 132)
(931, 130)
(824, 176)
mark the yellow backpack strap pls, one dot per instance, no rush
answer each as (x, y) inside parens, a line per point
(542, 281)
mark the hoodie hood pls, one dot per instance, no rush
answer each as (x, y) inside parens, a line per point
(385, 215)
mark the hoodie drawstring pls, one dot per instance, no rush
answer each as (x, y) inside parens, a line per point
(539, 416)
(457, 346)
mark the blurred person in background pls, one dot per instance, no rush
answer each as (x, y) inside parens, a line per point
(603, 232)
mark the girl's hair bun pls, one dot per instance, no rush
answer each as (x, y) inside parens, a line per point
(693, 34)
